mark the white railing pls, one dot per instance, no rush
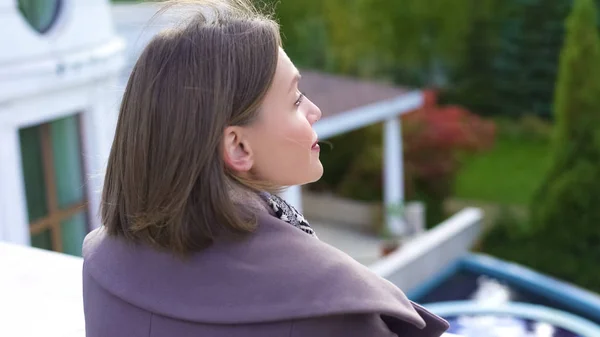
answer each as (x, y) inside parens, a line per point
(423, 257)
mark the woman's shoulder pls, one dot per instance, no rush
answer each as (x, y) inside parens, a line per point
(277, 273)
(364, 324)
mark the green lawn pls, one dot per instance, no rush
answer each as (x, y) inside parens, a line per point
(508, 174)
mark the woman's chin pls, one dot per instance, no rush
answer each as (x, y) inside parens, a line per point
(317, 172)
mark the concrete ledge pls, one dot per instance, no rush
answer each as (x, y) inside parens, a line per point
(40, 292)
(424, 256)
(359, 215)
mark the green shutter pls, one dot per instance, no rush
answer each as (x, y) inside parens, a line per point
(33, 173)
(68, 177)
(40, 14)
(42, 240)
(70, 184)
(67, 161)
(73, 231)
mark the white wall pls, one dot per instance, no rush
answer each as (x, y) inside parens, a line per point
(73, 68)
(137, 24)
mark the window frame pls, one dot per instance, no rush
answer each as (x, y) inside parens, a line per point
(55, 215)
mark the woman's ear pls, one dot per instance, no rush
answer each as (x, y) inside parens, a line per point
(236, 150)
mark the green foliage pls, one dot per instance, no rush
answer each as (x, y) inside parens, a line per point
(576, 147)
(418, 42)
(563, 239)
(353, 164)
(510, 238)
(422, 37)
(492, 55)
(526, 67)
(472, 84)
(512, 171)
(507, 232)
(511, 63)
(303, 30)
(348, 35)
(364, 180)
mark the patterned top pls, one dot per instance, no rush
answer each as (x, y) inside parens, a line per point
(288, 213)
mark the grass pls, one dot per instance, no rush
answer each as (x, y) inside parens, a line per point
(508, 174)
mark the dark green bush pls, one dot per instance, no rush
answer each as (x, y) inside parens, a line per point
(569, 193)
(507, 235)
(563, 237)
(344, 157)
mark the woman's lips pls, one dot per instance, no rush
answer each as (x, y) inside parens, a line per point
(315, 146)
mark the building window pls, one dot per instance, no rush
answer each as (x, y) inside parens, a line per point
(54, 185)
(40, 14)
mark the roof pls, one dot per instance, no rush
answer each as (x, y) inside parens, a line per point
(334, 93)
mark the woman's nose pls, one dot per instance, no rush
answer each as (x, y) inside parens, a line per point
(314, 113)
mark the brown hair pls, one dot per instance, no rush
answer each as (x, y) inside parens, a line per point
(166, 183)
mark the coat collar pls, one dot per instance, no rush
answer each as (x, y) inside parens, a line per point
(277, 273)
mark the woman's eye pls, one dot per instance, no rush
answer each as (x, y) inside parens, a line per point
(299, 100)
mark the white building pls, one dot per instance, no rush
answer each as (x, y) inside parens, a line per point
(59, 65)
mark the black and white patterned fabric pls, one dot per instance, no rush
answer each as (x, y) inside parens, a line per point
(288, 213)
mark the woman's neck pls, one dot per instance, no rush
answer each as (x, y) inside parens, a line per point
(249, 198)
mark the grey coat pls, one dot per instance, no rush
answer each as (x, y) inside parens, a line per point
(276, 282)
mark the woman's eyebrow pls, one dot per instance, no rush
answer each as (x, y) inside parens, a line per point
(295, 80)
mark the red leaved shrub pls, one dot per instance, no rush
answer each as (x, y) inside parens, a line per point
(435, 139)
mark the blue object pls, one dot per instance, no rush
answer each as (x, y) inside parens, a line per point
(458, 281)
(471, 319)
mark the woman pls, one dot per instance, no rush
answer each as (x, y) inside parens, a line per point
(195, 242)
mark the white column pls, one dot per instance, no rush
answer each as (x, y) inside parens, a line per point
(393, 178)
(14, 226)
(93, 157)
(293, 195)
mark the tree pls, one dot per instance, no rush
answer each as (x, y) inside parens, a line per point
(473, 79)
(564, 213)
(303, 30)
(421, 38)
(525, 70)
